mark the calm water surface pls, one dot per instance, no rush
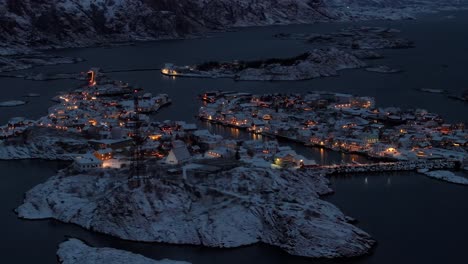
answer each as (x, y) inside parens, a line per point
(415, 219)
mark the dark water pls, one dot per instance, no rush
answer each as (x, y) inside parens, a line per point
(415, 219)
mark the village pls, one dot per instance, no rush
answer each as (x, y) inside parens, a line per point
(140, 179)
(107, 124)
(340, 122)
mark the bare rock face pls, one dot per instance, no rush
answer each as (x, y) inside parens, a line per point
(227, 209)
(74, 251)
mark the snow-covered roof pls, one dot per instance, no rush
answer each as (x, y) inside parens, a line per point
(87, 159)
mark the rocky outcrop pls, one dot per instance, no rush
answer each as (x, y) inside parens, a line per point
(74, 251)
(226, 209)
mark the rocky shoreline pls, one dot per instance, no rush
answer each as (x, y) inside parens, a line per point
(241, 206)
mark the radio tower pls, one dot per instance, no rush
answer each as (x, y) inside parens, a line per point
(138, 140)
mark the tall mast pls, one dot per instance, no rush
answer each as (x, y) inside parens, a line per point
(138, 141)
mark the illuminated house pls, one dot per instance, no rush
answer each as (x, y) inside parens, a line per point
(285, 158)
(178, 154)
(86, 162)
(169, 69)
(103, 154)
(363, 102)
(219, 152)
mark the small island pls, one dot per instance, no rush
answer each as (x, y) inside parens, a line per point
(383, 69)
(12, 103)
(314, 64)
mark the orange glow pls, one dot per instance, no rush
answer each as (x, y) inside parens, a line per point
(92, 81)
(155, 137)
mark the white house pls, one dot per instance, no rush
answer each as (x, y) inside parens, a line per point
(86, 162)
(178, 154)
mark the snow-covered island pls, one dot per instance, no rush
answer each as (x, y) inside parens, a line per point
(447, 176)
(74, 251)
(215, 204)
(12, 103)
(314, 64)
(32, 95)
(435, 91)
(383, 69)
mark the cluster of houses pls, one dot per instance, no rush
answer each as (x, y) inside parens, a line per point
(341, 122)
(176, 147)
(16, 126)
(109, 117)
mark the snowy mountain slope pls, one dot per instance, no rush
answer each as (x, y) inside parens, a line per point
(77, 23)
